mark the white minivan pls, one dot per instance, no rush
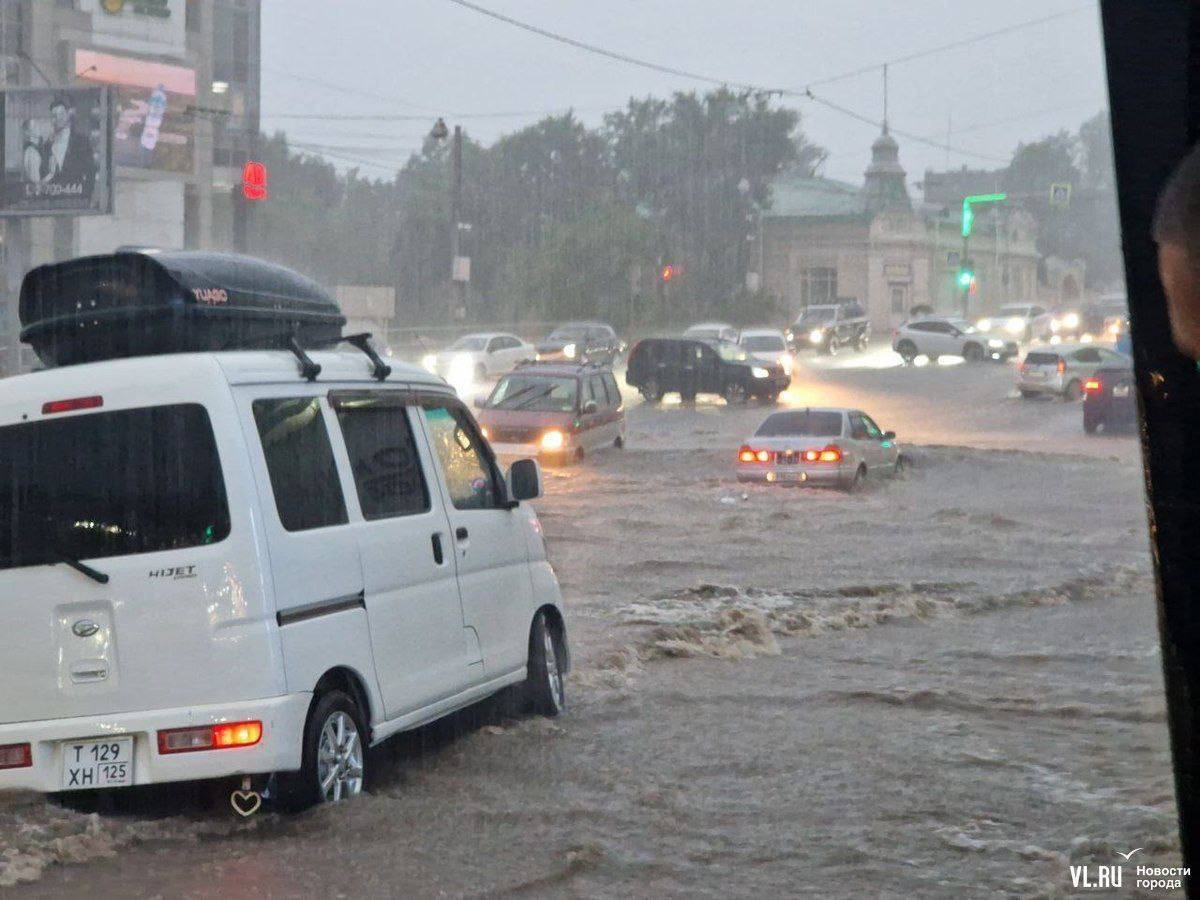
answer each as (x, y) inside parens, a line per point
(212, 567)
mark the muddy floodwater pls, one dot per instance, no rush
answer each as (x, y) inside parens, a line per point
(948, 685)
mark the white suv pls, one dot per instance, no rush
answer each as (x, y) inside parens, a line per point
(213, 567)
(935, 336)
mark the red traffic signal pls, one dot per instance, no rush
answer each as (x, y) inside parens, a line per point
(668, 272)
(254, 181)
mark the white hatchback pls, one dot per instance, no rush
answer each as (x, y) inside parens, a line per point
(212, 567)
(479, 356)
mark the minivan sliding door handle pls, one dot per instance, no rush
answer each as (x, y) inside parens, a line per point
(438, 557)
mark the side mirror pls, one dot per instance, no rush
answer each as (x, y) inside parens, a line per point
(590, 407)
(889, 435)
(480, 401)
(524, 480)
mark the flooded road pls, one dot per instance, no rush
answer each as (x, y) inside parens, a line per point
(947, 685)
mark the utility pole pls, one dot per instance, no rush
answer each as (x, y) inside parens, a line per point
(460, 266)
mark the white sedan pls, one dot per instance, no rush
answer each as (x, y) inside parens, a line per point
(476, 357)
(767, 345)
(831, 447)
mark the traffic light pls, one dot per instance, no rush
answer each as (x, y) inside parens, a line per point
(254, 181)
(667, 273)
(966, 275)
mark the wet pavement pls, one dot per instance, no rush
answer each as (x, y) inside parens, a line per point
(947, 685)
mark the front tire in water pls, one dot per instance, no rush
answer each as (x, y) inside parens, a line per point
(333, 763)
(543, 690)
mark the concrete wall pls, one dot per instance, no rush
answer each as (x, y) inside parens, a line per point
(144, 213)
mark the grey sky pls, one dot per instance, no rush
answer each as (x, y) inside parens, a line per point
(431, 57)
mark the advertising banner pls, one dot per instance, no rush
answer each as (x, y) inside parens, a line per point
(154, 128)
(57, 152)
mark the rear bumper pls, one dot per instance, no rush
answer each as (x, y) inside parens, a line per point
(1042, 385)
(829, 475)
(278, 751)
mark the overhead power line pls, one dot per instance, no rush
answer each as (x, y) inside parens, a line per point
(598, 50)
(953, 45)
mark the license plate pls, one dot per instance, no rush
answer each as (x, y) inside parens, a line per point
(1121, 390)
(1036, 374)
(88, 765)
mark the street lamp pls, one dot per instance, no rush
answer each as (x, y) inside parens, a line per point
(460, 266)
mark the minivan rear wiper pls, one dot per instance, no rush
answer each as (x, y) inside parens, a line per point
(81, 567)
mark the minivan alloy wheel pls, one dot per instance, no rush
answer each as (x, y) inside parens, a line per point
(554, 679)
(339, 758)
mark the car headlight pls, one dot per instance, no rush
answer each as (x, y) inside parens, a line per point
(758, 372)
(789, 335)
(1070, 320)
(1086, 338)
(429, 362)
(461, 371)
(1055, 339)
(984, 324)
(569, 351)
(1055, 325)
(486, 434)
(1014, 325)
(553, 439)
(995, 342)
(816, 335)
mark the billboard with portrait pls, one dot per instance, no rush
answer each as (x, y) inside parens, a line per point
(154, 125)
(57, 152)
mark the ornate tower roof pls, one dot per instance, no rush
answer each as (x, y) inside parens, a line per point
(885, 188)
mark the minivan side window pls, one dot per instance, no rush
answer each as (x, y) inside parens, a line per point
(596, 391)
(384, 459)
(470, 476)
(304, 476)
(614, 392)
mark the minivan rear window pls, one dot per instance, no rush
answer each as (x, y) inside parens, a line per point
(110, 484)
(1041, 359)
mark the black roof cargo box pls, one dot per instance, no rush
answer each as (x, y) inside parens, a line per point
(147, 303)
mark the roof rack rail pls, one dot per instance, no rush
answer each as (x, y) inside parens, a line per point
(363, 342)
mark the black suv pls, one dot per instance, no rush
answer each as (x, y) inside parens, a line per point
(581, 342)
(829, 327)
(659, 366)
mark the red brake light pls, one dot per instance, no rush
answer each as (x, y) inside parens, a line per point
(1062, 366)
(15, 756)
(1092, 384)
(210, 737)
(829, 454)
(76, 403)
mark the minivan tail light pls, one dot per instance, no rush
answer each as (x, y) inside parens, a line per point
(76, 403)
(210, 737)
(1092, 384)
(16, 756)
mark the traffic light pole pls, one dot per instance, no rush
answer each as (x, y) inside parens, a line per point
(966, 288)
(966, 269)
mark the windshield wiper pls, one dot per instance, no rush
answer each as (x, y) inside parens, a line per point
(525, 390)
(80, 567)
(525, 403)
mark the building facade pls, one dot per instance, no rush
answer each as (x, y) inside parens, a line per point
(826, 240)
(189, 69)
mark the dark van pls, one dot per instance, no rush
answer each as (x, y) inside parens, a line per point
(660, 366)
